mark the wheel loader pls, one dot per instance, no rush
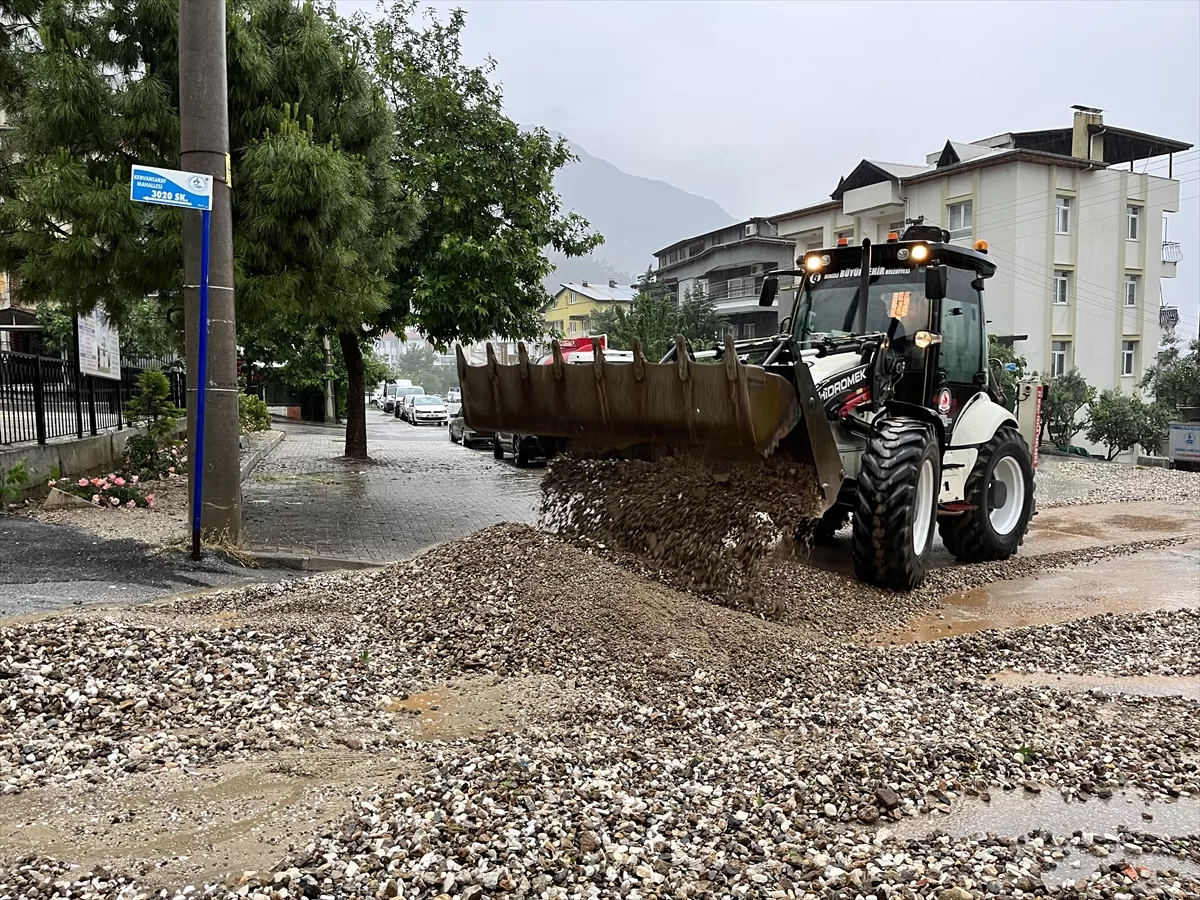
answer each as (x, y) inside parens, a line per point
(879, 381)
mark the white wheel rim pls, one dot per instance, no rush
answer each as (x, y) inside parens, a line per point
(923, 514)
(1004, 517)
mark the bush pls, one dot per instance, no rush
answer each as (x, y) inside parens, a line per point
(252, 414)
(110, 491)
(151, 406)
(12, 483)
(148, 457)
(1119, 421)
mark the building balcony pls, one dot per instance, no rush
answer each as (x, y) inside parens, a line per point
(747, 286)
(1171, 254)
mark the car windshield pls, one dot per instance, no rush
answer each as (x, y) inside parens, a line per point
(428, 400)
(828, 306)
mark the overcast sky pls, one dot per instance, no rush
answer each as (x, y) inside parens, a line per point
(761, 106)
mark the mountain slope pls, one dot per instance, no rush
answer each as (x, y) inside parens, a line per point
(636, 216)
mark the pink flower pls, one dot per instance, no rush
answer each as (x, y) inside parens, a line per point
(171, 469)
(131, 504)
(51, 482)
(149, 499)
(115, 501)
(97, 481)
(83, 482)
(133, 479)
(119, 481)
(96, 499)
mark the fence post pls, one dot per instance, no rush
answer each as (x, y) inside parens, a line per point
(39, 401)
(120, 396)
(92, 406)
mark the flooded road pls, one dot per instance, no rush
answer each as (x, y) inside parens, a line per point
(1155, 580)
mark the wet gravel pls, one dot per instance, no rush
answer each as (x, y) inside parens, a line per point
(1066, 482)
(708, 752)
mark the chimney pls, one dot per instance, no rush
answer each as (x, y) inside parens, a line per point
(612, 282)
(583, 283)
(1085, 145)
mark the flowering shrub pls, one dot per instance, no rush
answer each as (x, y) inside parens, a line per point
(112, 491)
(152, 458)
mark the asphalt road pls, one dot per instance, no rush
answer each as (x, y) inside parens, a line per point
(45, 567)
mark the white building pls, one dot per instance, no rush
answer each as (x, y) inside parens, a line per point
(1075, 230)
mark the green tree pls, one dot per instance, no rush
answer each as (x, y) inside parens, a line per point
(1121, 421)
(655, 318)
(1174, 379)
(318, 214)
(477, 266)
(1067, 395)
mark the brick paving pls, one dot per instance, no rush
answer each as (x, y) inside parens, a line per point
(419, 489)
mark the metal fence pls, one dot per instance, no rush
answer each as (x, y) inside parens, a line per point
(42, 397)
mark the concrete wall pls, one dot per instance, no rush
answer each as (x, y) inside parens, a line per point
(74, 458)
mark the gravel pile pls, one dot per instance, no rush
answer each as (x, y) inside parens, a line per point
(706, 752)
(713, 525)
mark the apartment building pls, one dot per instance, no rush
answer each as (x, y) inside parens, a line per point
(1073, 216)
(568, 311)
(727, 266)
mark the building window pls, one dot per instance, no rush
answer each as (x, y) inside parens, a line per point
(1062, 284)
(574, 326)
(848, 234)
(1062, 216)
(1128, 357)
(748, 330)
(1133, 222)
(1059, 351)
(959, 215)
(1131, 289)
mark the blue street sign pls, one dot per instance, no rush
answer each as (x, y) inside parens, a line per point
(170, 187)
(187, 190)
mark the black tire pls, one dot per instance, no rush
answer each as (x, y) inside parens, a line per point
(889, 551)
(520, 453)
(450, 431)
(972, 536)
(497, 448)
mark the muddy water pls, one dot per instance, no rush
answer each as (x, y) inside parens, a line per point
(1016, 813)
(1131, 685)
(1019, 813)
(1145, 582)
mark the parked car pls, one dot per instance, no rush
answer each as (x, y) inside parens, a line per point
(406, 390)
(462, 433)
(454, 395)
(453, 408)
(426, 409)
(525, 448)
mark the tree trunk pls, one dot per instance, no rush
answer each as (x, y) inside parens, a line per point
(356, 387)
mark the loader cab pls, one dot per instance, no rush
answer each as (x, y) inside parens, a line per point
(923, 293)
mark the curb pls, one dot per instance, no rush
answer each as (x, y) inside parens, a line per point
(260, 454)
(298, 563)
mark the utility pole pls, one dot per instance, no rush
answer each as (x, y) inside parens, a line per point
(204, 148)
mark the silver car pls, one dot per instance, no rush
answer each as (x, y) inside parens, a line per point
(427, 409)
(462, 433)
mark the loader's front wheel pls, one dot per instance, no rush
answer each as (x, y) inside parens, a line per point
(896, 506)
(1000, 487)
(497, 448)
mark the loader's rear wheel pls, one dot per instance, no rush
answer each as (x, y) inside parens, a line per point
(497, 449)
(1001, 489)
(897, 505)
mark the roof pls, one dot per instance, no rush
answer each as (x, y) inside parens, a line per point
(604, 293)
(1120, 144)
(708, 251)
(871, 171)
(956, 151)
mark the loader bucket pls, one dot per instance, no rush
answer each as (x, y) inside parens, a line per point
(602, 406)
(723, 409)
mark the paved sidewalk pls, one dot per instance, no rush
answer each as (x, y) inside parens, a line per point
(419, 489)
